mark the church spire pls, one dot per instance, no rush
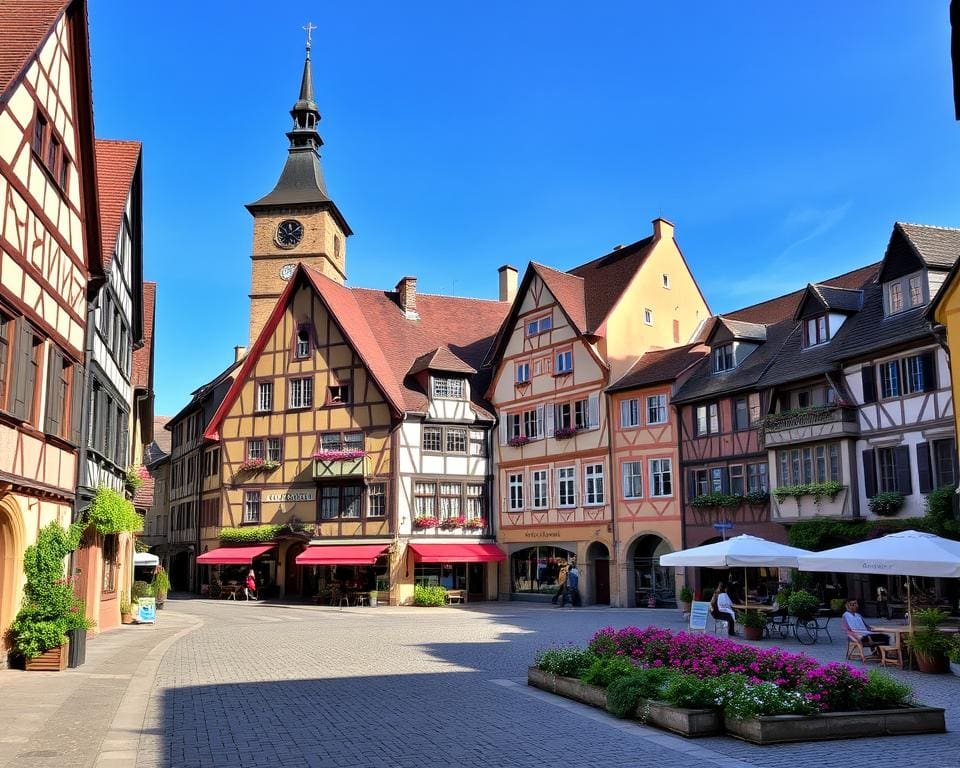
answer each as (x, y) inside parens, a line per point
(305, 113)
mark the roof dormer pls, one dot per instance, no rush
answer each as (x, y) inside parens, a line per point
(443, 375)
(915, 264)
(823, 310)
(733, 341)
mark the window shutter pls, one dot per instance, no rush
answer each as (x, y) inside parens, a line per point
(21, 366)
(624, 479)
(869, 473)
(869, 384)
(691, 485)
(551, 417)
(51, 423)
(503, 429)
(725, 480)
(923, 467)
(540, 410)
(593, 409)
(928, 363)
(77, 397)
(624, 413)
(901, 460)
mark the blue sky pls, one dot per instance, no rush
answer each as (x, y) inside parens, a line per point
(783, 140)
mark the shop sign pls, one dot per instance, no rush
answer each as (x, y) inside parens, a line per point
(291, 497)
(147, 610)
(554, 534)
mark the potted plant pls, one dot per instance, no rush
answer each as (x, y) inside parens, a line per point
(161, 585)
(686, 599)
(928, 644)
(50, 610)
(803, 605)
(753, 623)
(126, 611)
(374, 594)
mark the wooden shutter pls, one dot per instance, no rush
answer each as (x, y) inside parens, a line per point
(691, 485)
(550, 413)
(724, 479)
(867, 375)
(928, 364)
(593, 411)
(624, 413)
(22, 363)
(52, 422)
(924, 472)
(869, 472)
(901, 463)
(503, 429)
(78, 393)
(540, 417)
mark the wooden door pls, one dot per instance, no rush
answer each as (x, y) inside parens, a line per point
(293, 573)
(601, 581)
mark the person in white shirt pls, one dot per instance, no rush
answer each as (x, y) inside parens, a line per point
(857, 628)
(721, 608)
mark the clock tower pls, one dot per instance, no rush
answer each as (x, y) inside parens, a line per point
(297, 221)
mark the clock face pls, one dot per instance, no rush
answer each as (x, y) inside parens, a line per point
(287, 270)
(289, 233)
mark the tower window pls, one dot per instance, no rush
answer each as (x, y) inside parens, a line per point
(339, 395)
(337, 246)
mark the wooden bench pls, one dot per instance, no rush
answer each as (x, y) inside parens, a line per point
(456, 596)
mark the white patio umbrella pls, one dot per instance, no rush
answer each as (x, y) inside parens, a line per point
(742, 551)
(907, 553)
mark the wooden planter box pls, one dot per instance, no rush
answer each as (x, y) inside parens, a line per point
(691, 723)
(781, 729)
(54, 660)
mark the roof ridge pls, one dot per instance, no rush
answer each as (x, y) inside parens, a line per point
(558, 271)
(646, 239)
(419, 294)
(928, 226)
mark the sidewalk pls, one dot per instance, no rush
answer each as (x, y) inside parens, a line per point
(90, 716)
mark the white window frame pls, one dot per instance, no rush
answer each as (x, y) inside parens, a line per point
(660, 469)
(630, 412)
(301, 393)
(648, 316)
(540, 485)
(251, 502)
(631, 479)
(538, 325)
(566, 487)
(564, 356)
(264, 397)
(522, 373)
(593, 486)
(449, 388)
(666, 280)
(515, 491)
(720, 358)
(658, 403)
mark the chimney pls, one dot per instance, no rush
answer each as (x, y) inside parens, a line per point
(508, 282)
(239, 353)
(662, 229)
(407, 288)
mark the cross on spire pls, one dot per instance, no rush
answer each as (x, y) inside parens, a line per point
(309, 28)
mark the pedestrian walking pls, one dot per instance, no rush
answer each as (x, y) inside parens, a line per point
(561, 583)
(250, 588)
(571, 593)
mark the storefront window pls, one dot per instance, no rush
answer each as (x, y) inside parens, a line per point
(535, 569)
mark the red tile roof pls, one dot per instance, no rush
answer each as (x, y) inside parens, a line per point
(660, 365)
(143, 357)
(116, 164)
(440, 359)
(24, 24)
(605, 279)
(568, 290)
(143, 498)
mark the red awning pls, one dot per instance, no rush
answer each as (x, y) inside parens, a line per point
(233, 555)
(344, 554)
(457, 553)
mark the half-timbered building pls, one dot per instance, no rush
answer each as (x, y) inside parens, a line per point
(50, 254)
(567, 337)
(114, 329)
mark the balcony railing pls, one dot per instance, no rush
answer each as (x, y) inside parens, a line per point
(809, 423)
(331, 469)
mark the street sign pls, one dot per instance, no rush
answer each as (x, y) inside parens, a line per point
(723, 526)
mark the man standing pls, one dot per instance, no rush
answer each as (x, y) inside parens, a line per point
(571, 592)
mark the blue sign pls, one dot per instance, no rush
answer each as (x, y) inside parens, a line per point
(147, 610)
(698, 615)
(723, 526)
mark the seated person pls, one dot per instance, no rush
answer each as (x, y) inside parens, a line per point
(721, 608)
(858, 629)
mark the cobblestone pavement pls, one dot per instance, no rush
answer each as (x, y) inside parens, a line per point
(293, 686)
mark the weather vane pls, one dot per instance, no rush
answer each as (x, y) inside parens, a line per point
(309, 28)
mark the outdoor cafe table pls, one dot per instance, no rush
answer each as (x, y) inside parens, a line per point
(900, 631)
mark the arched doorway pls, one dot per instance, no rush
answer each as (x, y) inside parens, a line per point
(651, 585)
(598, 558)
(293, 573)
(11, 564)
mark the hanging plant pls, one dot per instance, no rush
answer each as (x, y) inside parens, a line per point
(112, 512)
(886, 503)
(136, 475)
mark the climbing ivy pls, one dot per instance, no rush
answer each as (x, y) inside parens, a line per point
(112, 512)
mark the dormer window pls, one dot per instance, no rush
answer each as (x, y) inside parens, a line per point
(448, 388)
(816, 330)
(904, 293)
(539, 325)
(302, 348)
(723, 359)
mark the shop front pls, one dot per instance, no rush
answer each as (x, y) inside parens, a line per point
(341, 574)
(534, 571)
(470, 568)
(229, 567)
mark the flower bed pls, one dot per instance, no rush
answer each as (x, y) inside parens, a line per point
(764, 695)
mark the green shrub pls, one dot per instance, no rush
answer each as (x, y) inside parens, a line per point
(884, 692)
(566, 661)
(430, 597)
(112, 512)
(939, 515)
(741, 701)
(716, 499)
(954, 651)
(818, 490)
(929, 642)
(886, 503)
(837, 604)
(249, 534)
(604, 671)
(802, 604)
(161, 582)
(930, 617)
(753, 619)
(140, 589)
(50, 609)
(686, 595)
(691, 692)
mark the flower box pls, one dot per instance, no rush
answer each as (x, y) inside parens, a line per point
(692, 723)
(257, 465)
(780, 729)
(339, 455)
(518, 442)
(52, 660)
(336, 468)
(451, 523)
(425, 522)
(475, 524)
(565, 433)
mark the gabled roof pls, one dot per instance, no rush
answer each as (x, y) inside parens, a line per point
(143, 357)
(938, 247)
(116, 164)
(568, 290)
(605, 279)
(660, 365)
(440, 359)
(162, 439)
(24, 25)
(739, 329)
